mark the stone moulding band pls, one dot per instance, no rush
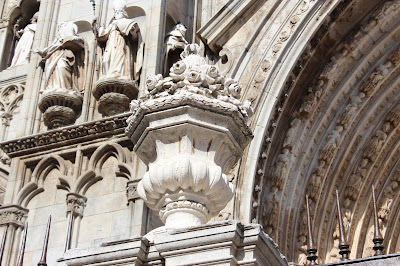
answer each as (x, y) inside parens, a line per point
(66, 136)
(190, 99)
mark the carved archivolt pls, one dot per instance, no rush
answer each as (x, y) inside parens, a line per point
(343, 131)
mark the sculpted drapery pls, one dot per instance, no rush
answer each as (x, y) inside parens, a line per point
(64, 59)
(23, 49)
(123, 53)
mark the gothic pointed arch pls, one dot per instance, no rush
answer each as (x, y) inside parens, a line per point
(84, 181)
(103, 152)
(47, 164)
(333, 124)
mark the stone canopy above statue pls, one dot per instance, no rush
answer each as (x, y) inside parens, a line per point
(121, 61)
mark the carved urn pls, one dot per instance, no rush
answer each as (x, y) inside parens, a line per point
(60, 107)
(190, 129)
(114, 95)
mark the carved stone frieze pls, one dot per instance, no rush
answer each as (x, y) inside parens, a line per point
(71, 135)
(13, 214)
(76, 203)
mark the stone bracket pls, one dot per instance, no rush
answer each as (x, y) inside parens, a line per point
(131, 190)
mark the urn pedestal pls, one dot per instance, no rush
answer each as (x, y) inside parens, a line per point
(189, 142)
(114, 95)
(60, 107)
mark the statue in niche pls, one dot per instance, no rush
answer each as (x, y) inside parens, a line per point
(123, 53)
(175, 43)
(64, 59)
(23, 49)
(61, 99)
(121, 62)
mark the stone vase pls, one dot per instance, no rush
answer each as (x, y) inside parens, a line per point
(190, 143)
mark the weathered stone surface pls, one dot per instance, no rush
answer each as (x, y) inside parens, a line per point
(219, 243)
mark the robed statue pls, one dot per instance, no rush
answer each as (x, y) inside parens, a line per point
(174, 44)
(22, 51)
(61, 99)
(64, 60)
(123, 52)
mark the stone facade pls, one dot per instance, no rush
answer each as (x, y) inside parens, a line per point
(189, 132)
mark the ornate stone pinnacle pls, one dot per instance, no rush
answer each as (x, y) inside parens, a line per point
(378, 238)
(311, 251)
(343, 244)
(190, 130)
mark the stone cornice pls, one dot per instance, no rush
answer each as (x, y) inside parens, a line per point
(66, 136)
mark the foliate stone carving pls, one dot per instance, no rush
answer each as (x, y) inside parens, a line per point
(76, 203)
(121, 62)
(13, 214)
(71, 135)
(131, 190)
(190, 130)
(23, 49)
(192, 74)
(61, 100)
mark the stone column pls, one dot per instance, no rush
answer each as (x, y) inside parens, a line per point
(14, 216)
(190, 129)
(138, 209)
(75, 206)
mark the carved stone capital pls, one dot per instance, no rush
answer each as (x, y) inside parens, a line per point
(14, 215)
(131, 190)
(76, 203)
(190, 130)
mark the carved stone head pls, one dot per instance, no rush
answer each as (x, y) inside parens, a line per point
(67, 29)
(119, 9)
(35, 18)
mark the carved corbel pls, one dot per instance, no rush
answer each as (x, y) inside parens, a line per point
(76, 203)
(131, 190)
(14, 215)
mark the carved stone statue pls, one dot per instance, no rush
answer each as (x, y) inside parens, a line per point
(123, 45)
(121, 62)
(175, 43)
(61, 100)
(23, 49)
(61, 67)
